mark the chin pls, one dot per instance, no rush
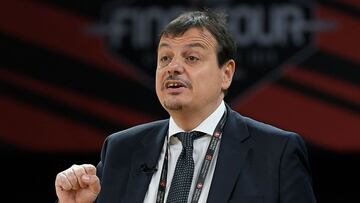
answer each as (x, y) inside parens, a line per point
(173, 106)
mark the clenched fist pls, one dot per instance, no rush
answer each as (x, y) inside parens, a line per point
(77, 184)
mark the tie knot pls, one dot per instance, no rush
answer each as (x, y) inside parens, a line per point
(187, 138)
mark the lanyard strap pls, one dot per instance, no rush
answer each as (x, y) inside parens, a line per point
(204, 167)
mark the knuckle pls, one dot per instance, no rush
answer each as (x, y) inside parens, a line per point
(90, 169)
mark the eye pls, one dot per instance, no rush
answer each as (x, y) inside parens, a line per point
(192, 58)
(164, 59)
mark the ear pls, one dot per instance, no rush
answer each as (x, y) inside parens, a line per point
(228, 71)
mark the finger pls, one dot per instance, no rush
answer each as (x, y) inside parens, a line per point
(93, 182)
(90, 169)
(62, 183)
(70, 175)
(79, 171)
(91, 178)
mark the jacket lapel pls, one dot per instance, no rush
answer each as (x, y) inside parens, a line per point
(234, 146)
(147, 155)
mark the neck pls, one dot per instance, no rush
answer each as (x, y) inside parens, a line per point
(188, 119)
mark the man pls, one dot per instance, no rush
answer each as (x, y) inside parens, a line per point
(205, 152)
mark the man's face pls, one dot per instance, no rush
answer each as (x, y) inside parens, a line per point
(188, 76)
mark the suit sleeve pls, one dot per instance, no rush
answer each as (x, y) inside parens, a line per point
(295, 174)
(100, 165)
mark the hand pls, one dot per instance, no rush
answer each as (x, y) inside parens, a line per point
(77, 184)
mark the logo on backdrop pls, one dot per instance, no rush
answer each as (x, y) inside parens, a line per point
(267, 34)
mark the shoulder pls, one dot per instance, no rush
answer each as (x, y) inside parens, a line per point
(137, 132)
(264, 132)
(260, 128)
(272, 142)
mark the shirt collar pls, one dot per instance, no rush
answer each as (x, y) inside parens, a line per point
(207, 126)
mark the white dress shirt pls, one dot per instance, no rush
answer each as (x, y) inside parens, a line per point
(175, 147)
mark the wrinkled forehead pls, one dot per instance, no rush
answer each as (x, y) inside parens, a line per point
(193, 37)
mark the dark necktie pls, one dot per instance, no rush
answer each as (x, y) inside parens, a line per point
(184, 170)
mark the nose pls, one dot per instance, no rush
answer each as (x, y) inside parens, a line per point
(175, 67)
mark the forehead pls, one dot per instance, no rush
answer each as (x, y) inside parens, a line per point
(194, 37)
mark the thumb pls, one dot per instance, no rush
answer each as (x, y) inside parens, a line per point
(92, 181)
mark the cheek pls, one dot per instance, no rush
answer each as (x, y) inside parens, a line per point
(158, 81)
(160, 76)
(213, 84)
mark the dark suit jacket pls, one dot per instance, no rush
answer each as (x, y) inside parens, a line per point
(256, 163)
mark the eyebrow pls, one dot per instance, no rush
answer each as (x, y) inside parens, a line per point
(163, 44)
(196, 45)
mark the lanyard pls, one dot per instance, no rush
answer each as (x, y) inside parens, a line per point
(204, 167)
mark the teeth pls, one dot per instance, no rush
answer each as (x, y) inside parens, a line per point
(173, 85)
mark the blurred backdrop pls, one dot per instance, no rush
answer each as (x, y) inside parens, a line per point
(73, 72)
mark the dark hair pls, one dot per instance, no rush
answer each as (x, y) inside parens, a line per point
(215, 23)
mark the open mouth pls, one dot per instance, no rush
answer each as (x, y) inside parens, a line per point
(174, 84)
